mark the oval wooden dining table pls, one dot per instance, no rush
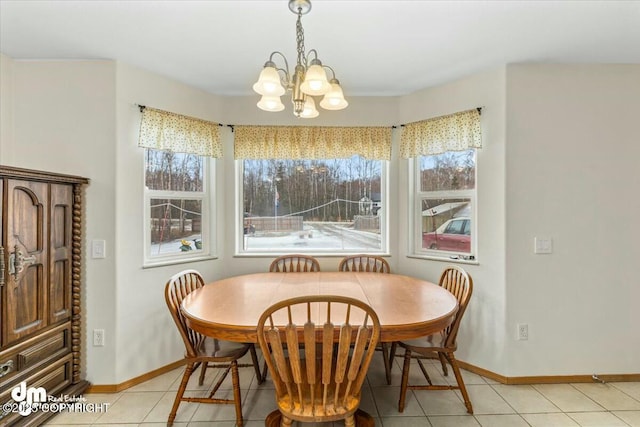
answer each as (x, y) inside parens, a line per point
(408, 308)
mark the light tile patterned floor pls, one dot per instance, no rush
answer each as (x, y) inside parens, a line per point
(495, 405)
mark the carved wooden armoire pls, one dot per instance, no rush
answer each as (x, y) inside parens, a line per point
(40, 287)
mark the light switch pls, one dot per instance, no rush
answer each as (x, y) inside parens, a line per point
(98, 249)
(543, 245)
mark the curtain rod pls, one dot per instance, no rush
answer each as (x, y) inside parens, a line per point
(402, 125)
(142, 107)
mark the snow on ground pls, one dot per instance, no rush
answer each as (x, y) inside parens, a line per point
(173, 246)
(322, 236)
(316, 235)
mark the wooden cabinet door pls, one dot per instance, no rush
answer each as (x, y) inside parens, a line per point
(61, 251)
(25, 302)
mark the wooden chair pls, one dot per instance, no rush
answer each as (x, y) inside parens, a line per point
(201, 350)
(370, 263)
(315, 380)
(442, 345)
(373, 264)
(294, 263)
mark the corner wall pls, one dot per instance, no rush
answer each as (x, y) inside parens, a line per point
(482, 338)
(6, 108)
(572, 161)
(145, 326)
(62, 119)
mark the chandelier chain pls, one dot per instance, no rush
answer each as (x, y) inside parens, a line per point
(307, 80)
(300, 39)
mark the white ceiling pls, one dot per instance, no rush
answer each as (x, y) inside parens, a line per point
(376, 47)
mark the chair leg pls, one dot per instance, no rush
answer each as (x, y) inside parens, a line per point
(424, 371)
(274, 419)
(363, 419)
(235, 379)
(188, 370)
(350, 421)
(463, 390)
(405, 379)
(443, 362)
(203, 371)
(387, 362)
(392, 352)
(286, 422)
(256, 365)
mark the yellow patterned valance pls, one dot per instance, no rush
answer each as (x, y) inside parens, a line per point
(302, 142)
(454, 132)
(162, 130)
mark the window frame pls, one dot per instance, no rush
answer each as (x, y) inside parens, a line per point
(417, 195)
(208, 223)
(239, 220)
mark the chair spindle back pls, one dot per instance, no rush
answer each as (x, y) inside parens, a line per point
(312, 375)
(368, 263)
(459, 283)
(177, 288)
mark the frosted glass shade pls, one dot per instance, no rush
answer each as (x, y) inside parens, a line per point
(270, 103)
(309, 111)
(268, 83)
(315, 81)
(334, 99)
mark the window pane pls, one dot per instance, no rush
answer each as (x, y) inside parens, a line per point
(453, 170)
(176, 226)
(169, 171)
(446, 224)
(312, 205)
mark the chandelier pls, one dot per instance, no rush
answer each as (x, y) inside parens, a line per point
(309, 78)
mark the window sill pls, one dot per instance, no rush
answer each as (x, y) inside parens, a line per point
(165, 262)
(445, 259)
(313, 254)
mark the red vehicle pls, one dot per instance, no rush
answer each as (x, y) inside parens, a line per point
(454, 235)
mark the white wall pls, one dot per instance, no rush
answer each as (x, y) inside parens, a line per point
(482, 336)
(144, 324)
(6, 107)
(79, 118)
(64, 121)
(572, 160)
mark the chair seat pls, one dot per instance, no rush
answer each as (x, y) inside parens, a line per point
(315, 408)
(223, 350)
(431, 343)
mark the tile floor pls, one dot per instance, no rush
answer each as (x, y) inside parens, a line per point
(495, 405)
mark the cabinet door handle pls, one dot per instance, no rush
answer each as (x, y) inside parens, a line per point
(5, 368)
(17, 261)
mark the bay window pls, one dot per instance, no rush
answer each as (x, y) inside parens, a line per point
(311, 190)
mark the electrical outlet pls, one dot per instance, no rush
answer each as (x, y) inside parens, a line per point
(523, 331)
(98, 337)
